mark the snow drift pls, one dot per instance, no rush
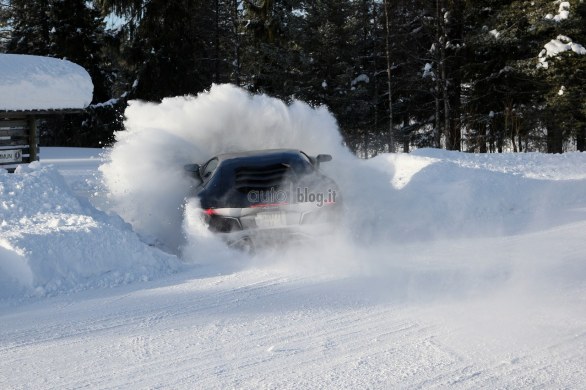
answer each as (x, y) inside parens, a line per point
(51, 242)
(42, 83)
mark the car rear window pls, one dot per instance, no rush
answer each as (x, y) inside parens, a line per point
(209, 168)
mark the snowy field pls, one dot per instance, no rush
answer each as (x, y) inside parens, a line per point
(450, 269)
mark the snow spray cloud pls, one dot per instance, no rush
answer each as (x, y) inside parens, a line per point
(144, 175)
(147, 186)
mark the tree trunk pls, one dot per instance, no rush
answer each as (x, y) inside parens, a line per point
(482, 139)
(374, 78)
(235, 20)
(453, 33)
(555, 141)
(406, 145)
(441, 42)
(391, 135)
(581, 139)
(520, 147)
(217, 45)
(581, 133)
(406, 135)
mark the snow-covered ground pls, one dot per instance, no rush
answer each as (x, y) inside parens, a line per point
(450, 270)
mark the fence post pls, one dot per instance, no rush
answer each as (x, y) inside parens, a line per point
(34, 152)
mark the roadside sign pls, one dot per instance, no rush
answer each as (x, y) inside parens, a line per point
(10, 156)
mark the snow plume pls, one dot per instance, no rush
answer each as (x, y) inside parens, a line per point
(148, 188)
(144, 174)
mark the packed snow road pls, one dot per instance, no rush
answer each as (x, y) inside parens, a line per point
(505, 311)
(269, 328)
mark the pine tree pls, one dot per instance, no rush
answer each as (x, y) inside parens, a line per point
(367, 95)
(333, 71)
(171, 50)
(497, 91)
(564, 71)
(545, 87)
(169, 47)
(30, 27)
(77, 33)
(414, 80)
(227, 42)
(4, 24)
(270, 56)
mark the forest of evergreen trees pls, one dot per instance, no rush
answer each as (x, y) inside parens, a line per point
(478, 76)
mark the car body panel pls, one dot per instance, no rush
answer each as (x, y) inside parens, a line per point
(266, 195)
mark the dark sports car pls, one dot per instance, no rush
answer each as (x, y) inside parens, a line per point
(251, 198)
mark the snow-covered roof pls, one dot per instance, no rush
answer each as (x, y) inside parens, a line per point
(29, 83)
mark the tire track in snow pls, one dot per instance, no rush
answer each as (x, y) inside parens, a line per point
(56, 333)
(291, 332)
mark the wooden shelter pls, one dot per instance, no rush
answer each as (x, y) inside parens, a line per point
(19, 135)
(33, 88)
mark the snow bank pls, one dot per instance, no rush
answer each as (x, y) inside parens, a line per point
(42, 83)
(539, 166)
(439, 194)
(51, 242)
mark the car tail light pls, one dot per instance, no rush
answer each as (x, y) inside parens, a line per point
(209, 212)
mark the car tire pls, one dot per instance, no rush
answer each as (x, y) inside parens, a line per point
(245, 245)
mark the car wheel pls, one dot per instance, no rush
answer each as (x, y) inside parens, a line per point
(245, 245)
